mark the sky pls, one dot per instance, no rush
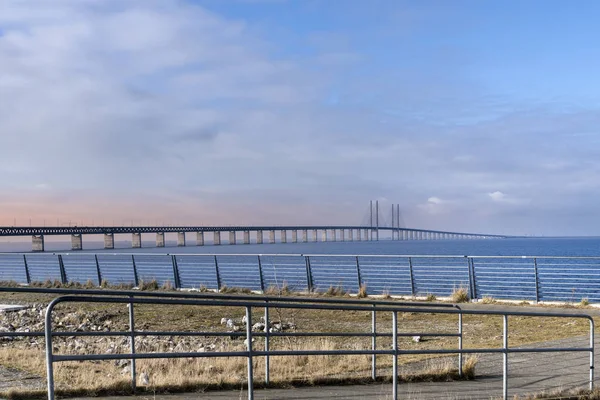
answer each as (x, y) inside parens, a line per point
(474, 116)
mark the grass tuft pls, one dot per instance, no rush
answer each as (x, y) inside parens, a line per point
(335, 291)
(431, 297)
(584, 302)
(488, 300)
(460, 295)
(362, 291)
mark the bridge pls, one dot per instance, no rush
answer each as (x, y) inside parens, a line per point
(308, 233)
(366, 232)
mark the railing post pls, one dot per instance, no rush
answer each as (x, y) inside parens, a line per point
(395, 360)
(412, 277)
(49, 355)
(374, 343)
(505, 358)
(472, 279)
(135, 274)
(592, 348)
(132, 344)
(61, 266)
(359, 279)
(460, 343)
(260, 275)
(267, 344)
(537, 287)
(176, 279)
(217, 274)
(98, 270)
(27, 275)
(309, 280)
(471, 291)
(250, 362)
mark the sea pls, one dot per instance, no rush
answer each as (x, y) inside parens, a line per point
(534, 246)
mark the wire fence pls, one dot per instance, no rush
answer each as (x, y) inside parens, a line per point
(533, 278)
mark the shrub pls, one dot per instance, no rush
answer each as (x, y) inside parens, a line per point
(362, 292)
(431, 297)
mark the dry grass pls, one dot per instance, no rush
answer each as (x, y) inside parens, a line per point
(335, 291)
(460, 295)
(283, 290)
(362, 292)
(584, 302)
(172, 375)
(575, 394)
(488, 300)
(431, 297)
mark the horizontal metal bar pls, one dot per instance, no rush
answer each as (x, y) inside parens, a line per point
(92, 357)
(309, 306)
(208, 334)
(218, 296)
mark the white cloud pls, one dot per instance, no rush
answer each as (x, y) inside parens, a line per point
(497, 196)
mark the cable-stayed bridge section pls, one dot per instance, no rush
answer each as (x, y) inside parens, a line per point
(285, 234)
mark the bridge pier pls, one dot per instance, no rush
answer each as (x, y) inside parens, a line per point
(366, 232)
(283, 236)
(272, 236)
(76, 242)
(37, 243)
(160, 239)
(259, 237)
(181, 239)
(315, 234)
(246, 237)
(136, 240)
(232, 237)
(216, 238)
(342, 235)
(109, 240)
(333, 235)
(324, 235)
(294, 236)
(199, 238)
(304, 236)
(351, 235)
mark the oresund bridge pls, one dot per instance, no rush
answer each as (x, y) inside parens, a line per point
(368, 232)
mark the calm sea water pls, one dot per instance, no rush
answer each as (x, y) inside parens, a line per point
(588, 246)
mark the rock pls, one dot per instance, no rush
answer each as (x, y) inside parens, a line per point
(416, 339)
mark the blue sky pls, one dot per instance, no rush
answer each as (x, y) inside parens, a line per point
(472, 115)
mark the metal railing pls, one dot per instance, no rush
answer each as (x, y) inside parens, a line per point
(534, 278)
(266, 300)
(250, 353)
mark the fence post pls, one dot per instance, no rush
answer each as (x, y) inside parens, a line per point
(249, 340)
(460, 343)
(374, 343)
(49, 355)
(27, 275)
(132, 344)
(505, 358)
(260, 275)
(135, 274)
(267, 344)
(412, 277)
(98, 270)
(471, 291)
(61, 266)
(176, 278)
(592, 348)
(218, 275)
(358, 275)
(309, 280)
(472, 279)
(537, 285)
(395, 361)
